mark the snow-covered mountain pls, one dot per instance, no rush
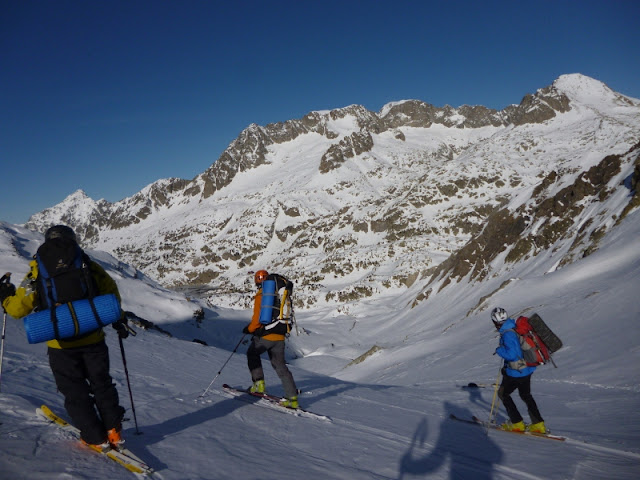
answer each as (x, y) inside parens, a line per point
(353, 204)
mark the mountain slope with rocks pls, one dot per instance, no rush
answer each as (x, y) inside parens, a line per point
(355, 204)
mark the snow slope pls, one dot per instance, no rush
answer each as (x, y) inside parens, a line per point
(389, 413)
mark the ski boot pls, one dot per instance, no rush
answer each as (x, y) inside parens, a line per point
(290, 402)
(257, 387)
(513, 427)
(114, 438)
(537, 428)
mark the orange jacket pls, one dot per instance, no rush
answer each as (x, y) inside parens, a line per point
(255, 320)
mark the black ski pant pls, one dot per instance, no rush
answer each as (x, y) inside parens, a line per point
(275, 349)
(523, 385)
(82, 376)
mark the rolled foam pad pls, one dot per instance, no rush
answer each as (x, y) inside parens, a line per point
(550, 339)
(268, 300)
(39, 327)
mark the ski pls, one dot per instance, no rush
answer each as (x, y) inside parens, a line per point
(272, 401)
(481, 423)
(122, 456)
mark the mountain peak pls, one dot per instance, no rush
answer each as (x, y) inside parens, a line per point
(77, 195)
(589, 91)
(574, 82)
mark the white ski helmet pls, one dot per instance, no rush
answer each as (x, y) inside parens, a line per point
(499, 316)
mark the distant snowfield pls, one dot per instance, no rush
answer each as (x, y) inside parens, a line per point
(389, 413)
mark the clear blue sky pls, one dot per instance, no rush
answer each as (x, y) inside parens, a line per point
(109, 96)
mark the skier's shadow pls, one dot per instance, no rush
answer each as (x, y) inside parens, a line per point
(160, 431)
(471, 451)
(475, 394)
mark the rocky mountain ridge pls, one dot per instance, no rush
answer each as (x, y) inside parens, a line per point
(355, 204)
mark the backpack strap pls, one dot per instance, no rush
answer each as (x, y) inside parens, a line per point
(88, 278)
(48, 286)
(54, 322)
(91, 291)
(95, 314)
(283, 302)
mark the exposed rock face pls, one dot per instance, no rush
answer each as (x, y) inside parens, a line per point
(544, 222)
(349, 147)
(545, 105)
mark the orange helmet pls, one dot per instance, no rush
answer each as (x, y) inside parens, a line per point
(260, 276)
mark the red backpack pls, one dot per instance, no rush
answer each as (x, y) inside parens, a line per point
(534, 351)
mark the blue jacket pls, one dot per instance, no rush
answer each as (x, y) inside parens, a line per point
(510, 350)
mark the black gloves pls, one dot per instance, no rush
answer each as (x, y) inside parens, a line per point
(121, 327)
(245, 330)
(7, 289)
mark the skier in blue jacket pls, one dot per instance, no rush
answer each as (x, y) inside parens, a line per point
(515, 376)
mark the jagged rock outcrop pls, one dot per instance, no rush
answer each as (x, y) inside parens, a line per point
(545, 222)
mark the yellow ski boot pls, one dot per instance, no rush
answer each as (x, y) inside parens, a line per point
(290, 402)
(513, 427)
(537, 428)
(257, 387)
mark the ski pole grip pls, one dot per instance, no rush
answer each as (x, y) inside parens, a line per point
(5, 277)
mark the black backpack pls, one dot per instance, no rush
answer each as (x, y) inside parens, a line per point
(63, 276)
(63, 273)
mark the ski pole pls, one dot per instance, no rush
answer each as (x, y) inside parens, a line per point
(126, 374)
(224, 365)
(4, 326)
(493, 402)
(5, 278)
(293, 320)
